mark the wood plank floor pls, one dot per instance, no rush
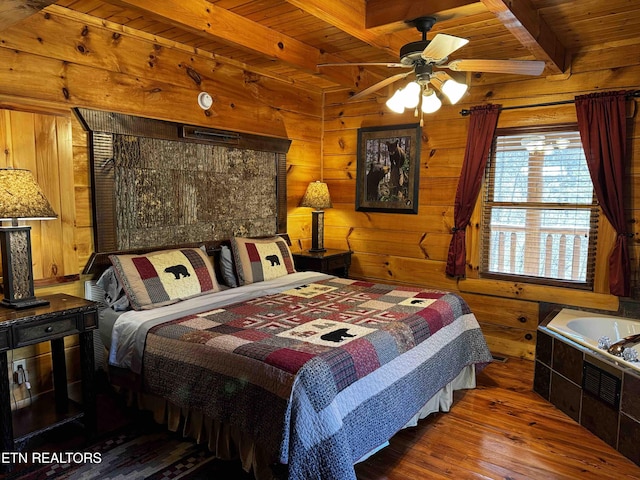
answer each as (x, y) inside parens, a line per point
(500, 430)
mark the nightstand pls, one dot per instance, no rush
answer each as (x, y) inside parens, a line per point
(333, 262)
(65, 315)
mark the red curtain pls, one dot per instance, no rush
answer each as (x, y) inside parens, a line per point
(482, 127)
(602, 122)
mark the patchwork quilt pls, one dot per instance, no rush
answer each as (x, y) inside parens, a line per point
(320, 374)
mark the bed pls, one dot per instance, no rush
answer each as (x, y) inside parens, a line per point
(301, 374)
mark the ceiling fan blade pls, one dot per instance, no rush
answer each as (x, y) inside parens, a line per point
(442, 46)
(366, 64)
(519, 67)
(377, 86)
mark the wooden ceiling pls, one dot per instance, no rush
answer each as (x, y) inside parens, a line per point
(287, 39)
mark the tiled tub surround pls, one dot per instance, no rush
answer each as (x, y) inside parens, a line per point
(587, 328)
(599, 393)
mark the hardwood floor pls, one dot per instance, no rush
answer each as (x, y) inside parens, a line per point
(500, 430)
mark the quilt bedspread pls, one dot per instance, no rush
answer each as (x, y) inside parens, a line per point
(302, 371)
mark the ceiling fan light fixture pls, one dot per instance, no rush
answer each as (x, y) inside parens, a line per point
(430, 101)
(454, 90)
(396, 102)
(411, 95)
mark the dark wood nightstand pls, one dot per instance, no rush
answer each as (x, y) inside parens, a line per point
(65, 315)
(333, 262)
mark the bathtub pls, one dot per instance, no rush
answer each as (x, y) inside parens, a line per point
(587, 328)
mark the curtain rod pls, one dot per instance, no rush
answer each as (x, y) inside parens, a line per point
(466, 112)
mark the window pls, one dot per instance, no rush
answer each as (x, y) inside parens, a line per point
(539, 212)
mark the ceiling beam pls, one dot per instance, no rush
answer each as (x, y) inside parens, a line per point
(210, 21)
(12, 11)
(385, 12)
(349, 16)
(519, 17)
(523, 21)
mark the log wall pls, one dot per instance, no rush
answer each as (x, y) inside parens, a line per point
(412, 249)
(53, 62)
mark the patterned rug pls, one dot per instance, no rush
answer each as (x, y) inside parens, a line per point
(137, 452)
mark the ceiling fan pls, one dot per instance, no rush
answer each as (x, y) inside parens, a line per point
(424, 55)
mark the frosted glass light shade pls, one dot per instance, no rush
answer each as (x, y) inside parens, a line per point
(395, 103)
(454, 90)
(411, 95)
(430, 101)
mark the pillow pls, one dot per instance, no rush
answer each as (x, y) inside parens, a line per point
(164, 277)
(227, 268)
(259, 259)
(114, 295)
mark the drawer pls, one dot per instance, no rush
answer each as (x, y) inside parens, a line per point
(90, 320)
(36, 332)
(338, 262)
(5, 339)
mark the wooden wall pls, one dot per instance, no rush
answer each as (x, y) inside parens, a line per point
(412, 249)
(50, 63)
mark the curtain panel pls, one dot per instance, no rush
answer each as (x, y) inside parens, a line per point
(602, 123)
(482, 127)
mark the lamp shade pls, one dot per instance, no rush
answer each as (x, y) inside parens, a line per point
(21, 197)
(411, 95)
(395, 103)
(316, 196)
(454, 90)
(430, 101)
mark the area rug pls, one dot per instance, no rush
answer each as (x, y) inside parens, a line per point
(134, 453)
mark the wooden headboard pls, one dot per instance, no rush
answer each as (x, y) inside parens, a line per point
(158, 184)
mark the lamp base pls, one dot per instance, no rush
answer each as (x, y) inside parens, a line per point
(17, 274)
(317, 250)
(26, 303)
(317, 231)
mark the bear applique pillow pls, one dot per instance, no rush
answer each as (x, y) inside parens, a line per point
(167, 276)
(259, 259)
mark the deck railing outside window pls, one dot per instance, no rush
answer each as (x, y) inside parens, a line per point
(539, 212)
(562, 252)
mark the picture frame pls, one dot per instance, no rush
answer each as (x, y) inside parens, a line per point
(388, 173)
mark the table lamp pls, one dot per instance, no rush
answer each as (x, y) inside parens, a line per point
(317, 196)
(20, 199)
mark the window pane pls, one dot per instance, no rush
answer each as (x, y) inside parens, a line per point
(539, 213)
(558, 249)
(506, 241)
(506, 217)
(566, 220)
(566, 177)
(511, 170)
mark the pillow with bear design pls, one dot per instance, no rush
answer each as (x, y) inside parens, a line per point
(164, 277)
(259, 259)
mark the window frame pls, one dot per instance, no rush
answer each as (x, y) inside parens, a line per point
(484, 231)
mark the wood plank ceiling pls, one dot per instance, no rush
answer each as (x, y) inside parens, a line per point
(286, 39)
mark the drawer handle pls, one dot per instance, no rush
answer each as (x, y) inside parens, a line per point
(49, 329)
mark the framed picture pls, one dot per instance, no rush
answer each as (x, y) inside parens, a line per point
(388, 169)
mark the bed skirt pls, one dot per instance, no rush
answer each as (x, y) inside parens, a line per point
(229, 443)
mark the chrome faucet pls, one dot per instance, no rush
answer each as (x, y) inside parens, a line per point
(622, 348)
